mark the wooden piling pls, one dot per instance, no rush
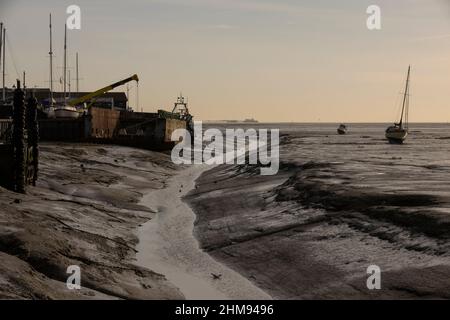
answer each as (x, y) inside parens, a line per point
(33, 139)
(19, 140)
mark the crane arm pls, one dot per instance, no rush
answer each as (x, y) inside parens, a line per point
(101, 91)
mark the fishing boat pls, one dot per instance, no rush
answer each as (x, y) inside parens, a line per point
(399, 131)
(342, 129)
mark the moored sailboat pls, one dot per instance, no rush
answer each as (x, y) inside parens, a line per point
(399, 131)
(342, 129)
(66, 110)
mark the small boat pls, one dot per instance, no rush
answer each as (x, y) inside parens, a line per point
(399, 131)
(66, 112)
(342, 129)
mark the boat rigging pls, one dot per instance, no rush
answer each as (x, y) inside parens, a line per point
(399, 131)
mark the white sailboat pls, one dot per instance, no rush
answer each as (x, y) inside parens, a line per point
(399, 131)
(66, 111)
(50, 110)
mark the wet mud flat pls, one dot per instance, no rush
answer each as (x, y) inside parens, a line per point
(84, 211)
(337, 206)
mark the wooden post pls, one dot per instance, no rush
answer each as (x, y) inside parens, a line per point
(33, 136)
(19, 140)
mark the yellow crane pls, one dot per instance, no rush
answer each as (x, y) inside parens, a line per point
(91, 96)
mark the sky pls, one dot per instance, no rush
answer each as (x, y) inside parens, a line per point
(275, 61)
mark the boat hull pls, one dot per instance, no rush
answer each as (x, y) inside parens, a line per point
(342, 129)
(66, 113)
(396, 135)
(50, 112)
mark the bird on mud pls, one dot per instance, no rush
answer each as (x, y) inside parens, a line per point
(216, 276)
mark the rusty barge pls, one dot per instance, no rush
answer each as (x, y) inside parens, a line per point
(150, 131)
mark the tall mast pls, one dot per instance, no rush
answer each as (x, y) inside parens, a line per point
(78, 79)
(1, 41)
(4, 65)
(404, 96)
(407, 99)
(69, 84)
(65, 63)
(51, 63)
(128, 96)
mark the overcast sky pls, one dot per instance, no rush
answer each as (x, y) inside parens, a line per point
(288, 60)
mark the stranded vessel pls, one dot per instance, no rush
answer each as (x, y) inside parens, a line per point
(399, 131)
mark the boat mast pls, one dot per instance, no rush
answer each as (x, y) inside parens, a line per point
(407, 99)
(406, 93)
(4, 65)
(78, 80)
(51, 64)
(65, 62)
(1, 41)
(69, 84)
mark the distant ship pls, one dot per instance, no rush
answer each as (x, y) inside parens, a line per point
(250, 120)
(399, 131)
(342, 129)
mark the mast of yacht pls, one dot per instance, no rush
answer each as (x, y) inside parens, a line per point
(405, 100)
(1, 41)
(69, 84)
(4, 63)
(78, 79)
(65, 63)
(51, 63)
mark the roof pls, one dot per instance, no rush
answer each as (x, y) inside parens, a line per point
(42, 94)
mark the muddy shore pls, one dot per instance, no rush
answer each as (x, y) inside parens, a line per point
(310, 232)
(167, 245)
(337, 206)
(84, 211)
(118, 214)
